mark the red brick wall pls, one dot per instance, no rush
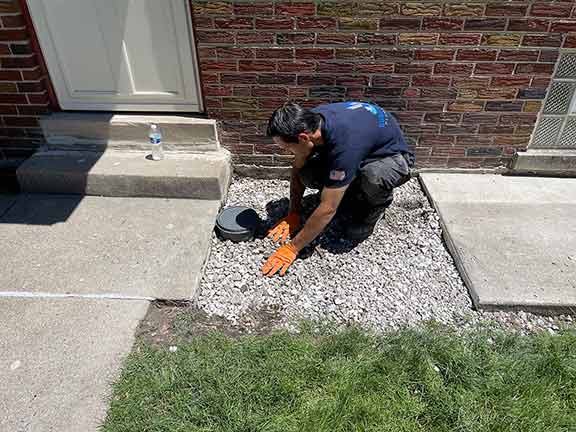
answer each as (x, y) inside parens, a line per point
(23, 94)
(465, 78)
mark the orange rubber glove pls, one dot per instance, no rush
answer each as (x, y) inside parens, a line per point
(285, 228)
(280, 260)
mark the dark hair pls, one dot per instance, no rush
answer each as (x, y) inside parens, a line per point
(290, 120)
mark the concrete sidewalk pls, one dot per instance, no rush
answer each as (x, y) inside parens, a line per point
(512, 238)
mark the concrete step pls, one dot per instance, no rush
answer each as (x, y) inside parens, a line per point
(545, 162)
(102, 131)
(127, 174)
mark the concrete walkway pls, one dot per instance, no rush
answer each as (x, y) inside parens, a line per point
(513, 238)
(77, 274)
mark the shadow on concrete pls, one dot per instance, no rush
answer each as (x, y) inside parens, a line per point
(30, 209)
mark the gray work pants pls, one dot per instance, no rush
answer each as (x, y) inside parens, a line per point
(373, 187)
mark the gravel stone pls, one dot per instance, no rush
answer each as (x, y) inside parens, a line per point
(403, 275)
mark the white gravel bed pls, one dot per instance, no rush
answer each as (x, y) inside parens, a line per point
(402, 275)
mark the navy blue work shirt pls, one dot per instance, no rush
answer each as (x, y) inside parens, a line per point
(355, 132)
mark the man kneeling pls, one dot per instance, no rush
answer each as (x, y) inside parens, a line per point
(354, 153)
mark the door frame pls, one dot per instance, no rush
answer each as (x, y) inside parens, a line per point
(144, 107)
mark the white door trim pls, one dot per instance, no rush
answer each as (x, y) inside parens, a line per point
(191, 101)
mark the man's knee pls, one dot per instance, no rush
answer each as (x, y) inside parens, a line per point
(379, 178)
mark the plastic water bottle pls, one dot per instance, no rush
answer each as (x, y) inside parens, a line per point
(155, 135)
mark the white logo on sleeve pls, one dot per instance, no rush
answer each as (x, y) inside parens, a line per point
(337, 175)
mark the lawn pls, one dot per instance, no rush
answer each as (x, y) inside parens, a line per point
(325, 381)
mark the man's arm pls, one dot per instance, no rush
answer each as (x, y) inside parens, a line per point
(297, 188)
(329, 202)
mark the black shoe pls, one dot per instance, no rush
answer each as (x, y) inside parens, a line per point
(362, 229)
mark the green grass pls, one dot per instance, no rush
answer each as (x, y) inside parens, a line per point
(415, 380)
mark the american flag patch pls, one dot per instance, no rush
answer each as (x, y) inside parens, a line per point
(337, 175)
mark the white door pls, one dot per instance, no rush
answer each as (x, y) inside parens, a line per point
(119, 55)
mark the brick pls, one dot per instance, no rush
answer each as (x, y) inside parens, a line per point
(563, 26)
(484, 151)
(295, 38)
(541, 82)
(316, 80)
(5, 49)
(485, 24)
(209, 78)
(465, 93)
(38, 99)
(550, 9)
(270, 103)
(452, 118)
(238, 78)
(408, 117)
(337, 8)
(547, 40)
(529, 24)
(253, 8)
(8, 109)
(411, 24)
(234, 23)
(337, 68)
(13, 35)
(7, 98)
(391, 81)
(466, 106)
(535, 68)
(274, 23)
(259, 160)
(314, 53)
(473, 140)
(11, 21)
(477, 54)
(429, 81)
(504, 106)
(355, 93)
(277, 79)
(435, 140)
(439, 93)
(434, 23)
(411, 92)
(511, 140)
(21, 121)
(269, 92)
(297, 66)
(570, 41)
(413, 68)
(320, 23)
(217, 91)
(219, 65)
(249, 37)
(438, 150)
(532, 106)
(31, 87)
(434, 54)
(383, 92)
(256, 66)
(506, 9)
(374, 8)
(213, 102)
(532, 93)
(549, 56)
(376, 38)
(497, 93)
(453, 69)
(518, 119)
(328, 92)
(421, 9)
(335, 39)
(354, 53)
(517, 55)
(203, 23)
(502, 39)
(392, 105)
(8, 87)
(296, 8)
(393, 54)
(9, 7)
(14, 133)
(204, 36)
(230, 53)
(510, 81)
(18, 62)
(241, 103)
(459, 38)
(470, 83)
(351, 81)
(240, 91)
(496, 130)
(274, 53)
(464, 9)
(479, 119)
(374, 68)
(347, 23)
(207, 52)
(212, 8)
(426, 106)
(418, 38)
(494, 69)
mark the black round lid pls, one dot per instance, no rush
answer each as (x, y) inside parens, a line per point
(238, 220)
